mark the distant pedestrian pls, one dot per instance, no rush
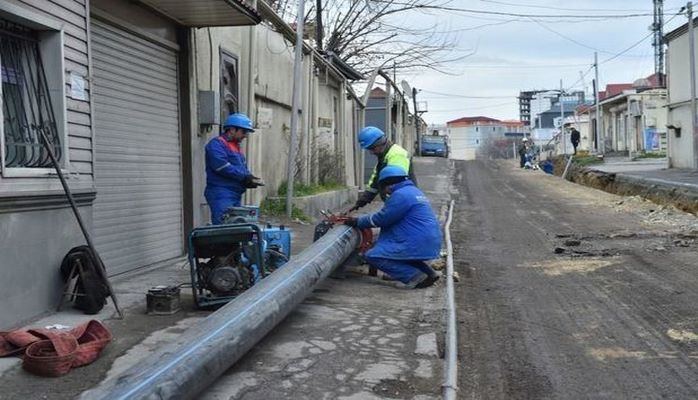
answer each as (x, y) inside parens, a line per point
(523, 149)
(574, 137)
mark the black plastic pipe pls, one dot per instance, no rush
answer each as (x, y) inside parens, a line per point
(190, 364)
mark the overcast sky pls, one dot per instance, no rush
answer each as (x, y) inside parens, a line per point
(524, 53)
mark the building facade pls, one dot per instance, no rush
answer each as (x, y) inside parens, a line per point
(681, 136)
(129, 93)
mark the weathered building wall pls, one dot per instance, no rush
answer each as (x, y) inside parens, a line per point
(322, 120)
(37, 228)
(680, 143)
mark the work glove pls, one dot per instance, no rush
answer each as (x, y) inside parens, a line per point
(351, 221)
(252, 182)
(365, 197)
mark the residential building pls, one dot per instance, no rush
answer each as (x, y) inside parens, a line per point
(681, 135)
(134, 90)
(468, 134)
(525, 100)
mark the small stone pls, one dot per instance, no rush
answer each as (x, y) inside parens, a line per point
(456, 277)
(559, 250)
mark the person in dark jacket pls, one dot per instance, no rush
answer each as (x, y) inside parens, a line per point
(227, 176)
(574, 138)
(374, 140)
(410, 233)
(523, 149)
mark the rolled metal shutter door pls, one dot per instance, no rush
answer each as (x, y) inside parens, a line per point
(138, 210)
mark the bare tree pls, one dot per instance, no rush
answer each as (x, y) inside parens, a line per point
(371, 33)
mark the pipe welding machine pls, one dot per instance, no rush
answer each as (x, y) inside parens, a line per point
(227, 259)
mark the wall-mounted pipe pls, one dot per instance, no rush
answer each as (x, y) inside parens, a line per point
(200, 355)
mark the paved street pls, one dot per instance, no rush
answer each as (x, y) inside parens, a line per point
(568, 292)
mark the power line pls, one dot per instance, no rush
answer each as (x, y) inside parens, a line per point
(560, 8)
(639, 41)
(466, 96)
(572, 39)
(465, 109)
(523, 66)
(522, 15)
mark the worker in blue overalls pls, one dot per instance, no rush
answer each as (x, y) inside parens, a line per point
(227, 176)
(409, 235)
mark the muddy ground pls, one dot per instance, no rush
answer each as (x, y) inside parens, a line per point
(568, 292)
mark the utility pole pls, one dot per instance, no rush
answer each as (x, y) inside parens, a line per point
(658, 40)
(319, 29)
(692, 67)
(599, 142)
(562, 120)
(295, 106)
(416, 122)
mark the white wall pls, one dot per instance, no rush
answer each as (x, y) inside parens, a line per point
(680, 148)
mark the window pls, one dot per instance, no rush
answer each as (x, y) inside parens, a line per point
(230, 99)
(27, 110)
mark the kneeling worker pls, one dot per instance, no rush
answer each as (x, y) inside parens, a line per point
(227, 176)
(410, 233)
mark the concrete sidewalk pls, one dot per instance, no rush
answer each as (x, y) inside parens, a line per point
(359, 337)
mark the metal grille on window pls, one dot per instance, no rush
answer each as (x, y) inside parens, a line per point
(229, 85)
(25, 100)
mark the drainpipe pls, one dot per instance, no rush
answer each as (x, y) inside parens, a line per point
(251, 57)
(189, 365)
(295, 105)
(692, 66)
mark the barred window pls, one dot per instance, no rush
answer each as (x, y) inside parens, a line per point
(26, 102)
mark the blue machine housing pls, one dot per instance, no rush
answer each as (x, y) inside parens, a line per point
(227, 259)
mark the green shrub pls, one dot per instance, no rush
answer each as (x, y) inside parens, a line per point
(651, 154)
(277, 208)
(583, 161)
(302, 189)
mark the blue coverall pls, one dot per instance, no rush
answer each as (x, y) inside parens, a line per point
(410, 233)
(226, 170)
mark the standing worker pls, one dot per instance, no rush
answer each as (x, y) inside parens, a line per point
(387, 153)
(227, 176)
(409, 235)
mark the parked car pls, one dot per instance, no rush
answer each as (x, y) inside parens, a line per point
(434, 146)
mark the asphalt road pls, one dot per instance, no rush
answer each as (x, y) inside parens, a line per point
(568, 292)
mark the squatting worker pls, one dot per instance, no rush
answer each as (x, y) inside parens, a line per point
(227, 176)
(387, 153)
(409, 231)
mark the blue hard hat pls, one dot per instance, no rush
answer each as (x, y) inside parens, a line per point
(238, 120)
(370, 135)
(391, 171)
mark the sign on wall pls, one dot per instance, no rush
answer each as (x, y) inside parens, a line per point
(264, 117)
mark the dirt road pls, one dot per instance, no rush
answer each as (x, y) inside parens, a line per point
(568, 292)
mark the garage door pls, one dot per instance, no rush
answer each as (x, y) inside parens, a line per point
(138, 210)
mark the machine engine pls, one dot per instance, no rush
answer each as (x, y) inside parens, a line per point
(230, 258)
(224, 276)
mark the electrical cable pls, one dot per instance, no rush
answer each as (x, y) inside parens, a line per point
(522, 15)
(560, 8)
(640, 41)
(465, 96)
(574, 40)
